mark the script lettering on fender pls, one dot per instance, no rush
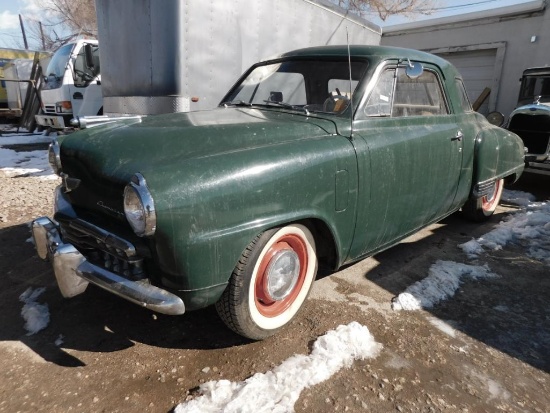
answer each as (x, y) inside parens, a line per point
(102, 205)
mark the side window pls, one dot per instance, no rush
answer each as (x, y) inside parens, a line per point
(464, 101)
(379, 103)
(82, 73)
(421, 96)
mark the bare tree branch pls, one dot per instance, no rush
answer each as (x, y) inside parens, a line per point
(386, 8)
(73, 18)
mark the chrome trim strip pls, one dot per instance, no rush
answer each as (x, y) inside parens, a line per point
(84, 122)
(483, 188)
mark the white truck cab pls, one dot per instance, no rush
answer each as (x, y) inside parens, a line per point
(72, 85)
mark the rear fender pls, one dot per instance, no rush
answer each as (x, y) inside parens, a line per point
(499, 154)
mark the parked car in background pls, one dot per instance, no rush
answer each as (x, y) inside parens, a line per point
(531, 119)
(317, 156)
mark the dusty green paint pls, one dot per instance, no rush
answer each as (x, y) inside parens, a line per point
(220, 177)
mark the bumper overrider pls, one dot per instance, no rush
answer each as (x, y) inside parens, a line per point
(73, 272)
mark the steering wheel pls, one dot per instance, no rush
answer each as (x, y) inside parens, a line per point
(336, 102)
(83, 75)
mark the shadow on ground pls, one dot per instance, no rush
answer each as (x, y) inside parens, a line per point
(509, 313)
(95, 321)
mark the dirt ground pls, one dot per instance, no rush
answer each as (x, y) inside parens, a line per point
(485, 350)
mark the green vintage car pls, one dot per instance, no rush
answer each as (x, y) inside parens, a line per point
(321, 156)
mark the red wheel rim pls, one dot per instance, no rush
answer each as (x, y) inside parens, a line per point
(489, 203)
(264, 303)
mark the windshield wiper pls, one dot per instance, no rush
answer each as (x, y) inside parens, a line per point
(236, 103)
(287, 106)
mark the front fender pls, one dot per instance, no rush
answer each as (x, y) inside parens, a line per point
(209, 209)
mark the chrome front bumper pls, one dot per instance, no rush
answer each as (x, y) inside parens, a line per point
(52, 121)
(73, 273)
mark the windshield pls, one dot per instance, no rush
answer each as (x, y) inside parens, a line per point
(56, 67)
(534, 86)
(311, 85)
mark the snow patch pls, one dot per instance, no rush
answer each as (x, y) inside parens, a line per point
(443, 326)
(277, 390)
(517, 197)
(59, 341)
(7, 138)
(37, 316)
(531, 227)
(495, 390)
(443, 280)
(29, 163)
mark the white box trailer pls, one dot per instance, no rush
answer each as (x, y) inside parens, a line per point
(178, 56)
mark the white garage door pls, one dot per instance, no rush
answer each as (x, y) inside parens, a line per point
(477, 69)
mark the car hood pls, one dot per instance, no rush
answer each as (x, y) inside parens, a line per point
(121, 148)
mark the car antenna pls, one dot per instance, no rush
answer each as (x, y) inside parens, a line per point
(350, 85)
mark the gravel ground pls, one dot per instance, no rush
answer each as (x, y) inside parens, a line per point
(22, 198)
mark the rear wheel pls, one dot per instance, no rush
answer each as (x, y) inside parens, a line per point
(481, 209)
(270, 283)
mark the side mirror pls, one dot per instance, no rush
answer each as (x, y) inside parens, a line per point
(496, 118)
(89, 56)
(414, 69)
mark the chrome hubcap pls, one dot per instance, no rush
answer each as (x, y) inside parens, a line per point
(282, 274)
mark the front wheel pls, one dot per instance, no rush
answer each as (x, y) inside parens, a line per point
(481, 209)
(270, 282)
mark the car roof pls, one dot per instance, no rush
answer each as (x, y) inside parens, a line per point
(378, 52)
(537, 70)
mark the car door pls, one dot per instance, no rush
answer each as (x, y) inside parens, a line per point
(409, 151)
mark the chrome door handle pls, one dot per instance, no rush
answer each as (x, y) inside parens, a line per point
(458, 137)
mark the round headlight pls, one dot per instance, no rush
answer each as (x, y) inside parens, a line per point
(54, 157)
(139, 207)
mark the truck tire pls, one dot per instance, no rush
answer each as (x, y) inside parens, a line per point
(270, 282)
(481, 209)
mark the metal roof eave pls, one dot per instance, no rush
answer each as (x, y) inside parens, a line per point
(518, 9)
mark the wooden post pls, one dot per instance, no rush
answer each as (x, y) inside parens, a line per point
(23, 31)
(42, 36)
(482, 97)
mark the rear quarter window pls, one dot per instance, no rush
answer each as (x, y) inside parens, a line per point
(463, 96)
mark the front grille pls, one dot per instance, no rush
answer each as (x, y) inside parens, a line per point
(533, 130)
(49, 108)
(103, 248)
